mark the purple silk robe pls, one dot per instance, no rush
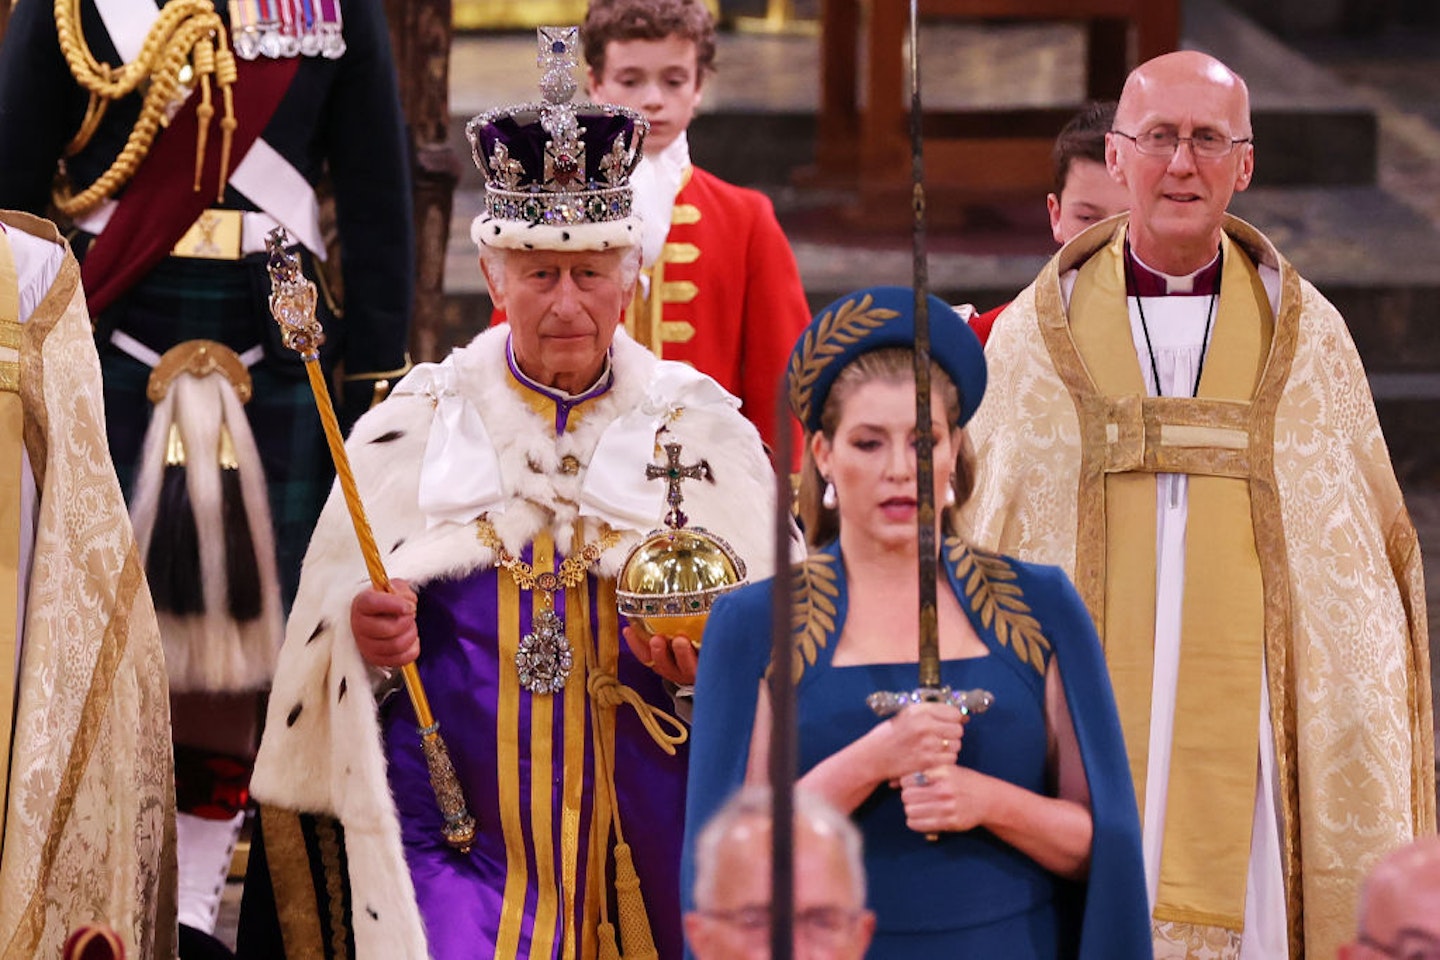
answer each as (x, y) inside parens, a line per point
(532, 885)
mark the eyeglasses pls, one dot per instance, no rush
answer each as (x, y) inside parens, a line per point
(823, 923)
(1163, 141)
(1411, 944)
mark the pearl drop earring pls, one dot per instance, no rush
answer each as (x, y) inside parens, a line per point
(828, 499)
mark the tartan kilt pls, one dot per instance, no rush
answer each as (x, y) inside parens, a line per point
(226, 301)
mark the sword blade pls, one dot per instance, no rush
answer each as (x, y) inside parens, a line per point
(924, 444)
(783, 735)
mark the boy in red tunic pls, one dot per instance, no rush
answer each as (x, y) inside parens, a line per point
(720, 289)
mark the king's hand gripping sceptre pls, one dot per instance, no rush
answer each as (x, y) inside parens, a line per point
(292, 303)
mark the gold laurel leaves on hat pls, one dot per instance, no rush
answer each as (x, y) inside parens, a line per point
(826, 342)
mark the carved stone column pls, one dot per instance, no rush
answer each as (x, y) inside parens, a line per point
(420, 31)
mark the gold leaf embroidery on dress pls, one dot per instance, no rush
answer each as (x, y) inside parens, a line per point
(999, 601)
(832, 335)
(816, 595)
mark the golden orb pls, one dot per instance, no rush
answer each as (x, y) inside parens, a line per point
(671, 579)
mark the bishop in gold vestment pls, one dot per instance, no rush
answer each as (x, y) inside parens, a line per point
(88, 832)
(1183, 424)
(1303, 569)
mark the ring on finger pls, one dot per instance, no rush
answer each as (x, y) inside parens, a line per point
(921, 780)
(944, 743)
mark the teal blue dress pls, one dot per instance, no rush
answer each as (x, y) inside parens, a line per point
(968, 894)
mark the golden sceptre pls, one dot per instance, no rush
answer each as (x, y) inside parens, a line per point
(292, 303)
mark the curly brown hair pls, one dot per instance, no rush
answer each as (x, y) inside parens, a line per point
(608, 20)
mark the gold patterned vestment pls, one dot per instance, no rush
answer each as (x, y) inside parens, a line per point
(1345, 640)
(89, 828)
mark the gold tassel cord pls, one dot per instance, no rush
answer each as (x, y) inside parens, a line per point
(188, 33)
(634, 921)
(607, 693)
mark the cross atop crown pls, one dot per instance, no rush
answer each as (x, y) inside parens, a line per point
(558, 56)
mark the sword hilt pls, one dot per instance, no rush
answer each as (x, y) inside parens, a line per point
(887, 703)
(969, 702)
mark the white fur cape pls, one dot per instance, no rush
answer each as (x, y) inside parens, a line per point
(322, 750)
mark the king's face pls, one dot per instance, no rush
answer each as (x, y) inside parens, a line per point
(563, 308)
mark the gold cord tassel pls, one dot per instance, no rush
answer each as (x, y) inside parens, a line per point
(186, 30)
(607, 949)
(634, 922)
(226, 73)
(204, 59)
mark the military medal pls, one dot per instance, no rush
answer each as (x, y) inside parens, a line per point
(287, 28)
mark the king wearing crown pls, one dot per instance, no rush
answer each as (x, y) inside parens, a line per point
(505, 487)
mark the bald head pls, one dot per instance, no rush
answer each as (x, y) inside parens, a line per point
(1163, 79)
(1400, 901)
(1178, 198)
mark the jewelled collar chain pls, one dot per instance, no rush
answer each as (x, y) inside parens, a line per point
(544, 658)
(572, 569)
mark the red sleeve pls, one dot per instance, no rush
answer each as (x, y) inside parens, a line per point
(775, 314)
(982, 323)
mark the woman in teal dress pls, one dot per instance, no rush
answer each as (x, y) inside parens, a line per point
(1036, 842)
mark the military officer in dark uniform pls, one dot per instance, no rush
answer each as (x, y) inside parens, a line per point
(173, 136)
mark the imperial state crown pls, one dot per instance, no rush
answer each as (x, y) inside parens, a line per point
(557, 174)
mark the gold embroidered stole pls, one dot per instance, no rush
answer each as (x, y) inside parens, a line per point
(1213, 767)
(645, 316)
(12, 452)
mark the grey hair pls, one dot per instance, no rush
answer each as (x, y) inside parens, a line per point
(493, 259)
(751, 806)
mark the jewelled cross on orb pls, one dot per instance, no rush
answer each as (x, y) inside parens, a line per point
(674, 473)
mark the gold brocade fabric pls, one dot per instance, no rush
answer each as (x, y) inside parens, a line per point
(90, 832)
(1211, 797)
(12, 455)
(1345, 639)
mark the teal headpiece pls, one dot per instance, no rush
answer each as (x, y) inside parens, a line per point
(871, 319)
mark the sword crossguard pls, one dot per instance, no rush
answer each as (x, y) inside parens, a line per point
(969, 702)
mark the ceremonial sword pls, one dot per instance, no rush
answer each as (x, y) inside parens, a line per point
(292, 303)
(783, 746)
(931, 689)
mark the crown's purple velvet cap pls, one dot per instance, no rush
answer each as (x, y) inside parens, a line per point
(526, 140)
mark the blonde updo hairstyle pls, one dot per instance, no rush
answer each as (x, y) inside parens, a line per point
(885, 365)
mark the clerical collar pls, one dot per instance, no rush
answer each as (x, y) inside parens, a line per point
(1146, 281)
(545, 396)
